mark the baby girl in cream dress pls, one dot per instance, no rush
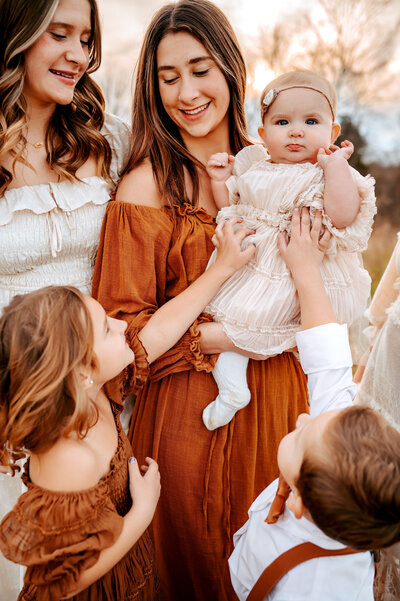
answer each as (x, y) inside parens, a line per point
(298, 167)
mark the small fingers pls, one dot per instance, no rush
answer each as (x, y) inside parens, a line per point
(324, 240)
(242, 233)
(316, 226)
(305, 218)
(282, 243)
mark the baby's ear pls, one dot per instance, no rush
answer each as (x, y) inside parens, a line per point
(296, 505)
(261, 132)
(335, 132)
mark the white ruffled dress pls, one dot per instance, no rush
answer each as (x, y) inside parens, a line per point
(380, 384)
(258, 306)
(49, 234)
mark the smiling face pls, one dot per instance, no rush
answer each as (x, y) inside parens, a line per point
(307, 437)
(110, 347)
(193, 89)
(297, 125)
(58, 59)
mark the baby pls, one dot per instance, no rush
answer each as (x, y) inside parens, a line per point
(299, 166)
(342, 464)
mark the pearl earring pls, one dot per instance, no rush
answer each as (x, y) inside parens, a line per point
(91, 382)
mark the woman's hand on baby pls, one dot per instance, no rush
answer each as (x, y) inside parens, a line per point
(228, 241)
(220, 166)
(145, 489)
(327, 155)
(307, 246)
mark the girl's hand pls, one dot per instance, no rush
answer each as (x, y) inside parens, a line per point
(220, 166)
(327, 155)
(306, 247)
(145, 490)
(228, 240)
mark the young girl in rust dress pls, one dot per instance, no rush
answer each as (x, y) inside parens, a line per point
(80, 527)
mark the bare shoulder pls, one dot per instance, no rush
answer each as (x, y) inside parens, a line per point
(138, 187)
(68, 466)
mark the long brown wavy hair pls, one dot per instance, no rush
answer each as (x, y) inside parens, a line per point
(46, 340)
(73, 133)
(154, 135)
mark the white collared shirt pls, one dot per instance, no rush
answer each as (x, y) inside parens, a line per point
(326, 359)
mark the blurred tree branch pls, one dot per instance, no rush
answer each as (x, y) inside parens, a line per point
(351, 42)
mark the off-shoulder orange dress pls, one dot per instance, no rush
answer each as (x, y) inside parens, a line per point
(58, 535)
(209, 479)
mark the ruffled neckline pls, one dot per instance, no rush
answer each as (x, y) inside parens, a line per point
(184, 210)
(43, 198)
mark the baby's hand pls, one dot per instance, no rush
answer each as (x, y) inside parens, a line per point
(145, 490)
(327, 155)
(220, 166)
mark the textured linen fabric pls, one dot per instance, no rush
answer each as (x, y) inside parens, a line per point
(147, 256)
(258, 306)
(380, 384)
(58, 535)
(326, 359)
(49, 235)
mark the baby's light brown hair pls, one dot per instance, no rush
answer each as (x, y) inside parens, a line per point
(46, 340)
(352, 490)
(299, 79)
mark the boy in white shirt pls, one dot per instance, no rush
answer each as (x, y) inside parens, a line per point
(342, 463)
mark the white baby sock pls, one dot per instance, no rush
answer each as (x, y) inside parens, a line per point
(230, 374)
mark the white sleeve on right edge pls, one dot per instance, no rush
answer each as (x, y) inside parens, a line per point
(325, 357)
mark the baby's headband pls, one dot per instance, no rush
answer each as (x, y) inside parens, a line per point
(271, 95)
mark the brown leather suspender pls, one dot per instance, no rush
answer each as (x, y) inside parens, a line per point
(285, 562)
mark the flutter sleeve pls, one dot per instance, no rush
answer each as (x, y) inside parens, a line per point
(140, 256)
(118, 134)
(354, 238)
(245, 158)
(57, 536)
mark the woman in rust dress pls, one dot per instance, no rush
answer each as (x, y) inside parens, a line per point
(156, 240)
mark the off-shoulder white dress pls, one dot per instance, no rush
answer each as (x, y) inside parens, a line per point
(258, 306)
(49, 235)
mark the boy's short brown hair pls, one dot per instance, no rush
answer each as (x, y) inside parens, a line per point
(353, 491)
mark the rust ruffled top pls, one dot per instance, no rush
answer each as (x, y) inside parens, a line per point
(58, 535)
(209, 479)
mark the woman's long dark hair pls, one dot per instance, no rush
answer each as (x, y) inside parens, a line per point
(154, 135)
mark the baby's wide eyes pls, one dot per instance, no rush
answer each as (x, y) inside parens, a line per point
(311, 121)
(282, 122)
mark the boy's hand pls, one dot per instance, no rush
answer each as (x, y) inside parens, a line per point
(306, 248)
(220, 166)
(327, 155)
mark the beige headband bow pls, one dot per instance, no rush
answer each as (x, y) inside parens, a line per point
(271, 95)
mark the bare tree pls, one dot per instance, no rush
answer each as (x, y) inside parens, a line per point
(352, 42)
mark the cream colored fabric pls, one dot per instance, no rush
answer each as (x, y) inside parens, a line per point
(380, 386)
(49, 234)
(258, 306)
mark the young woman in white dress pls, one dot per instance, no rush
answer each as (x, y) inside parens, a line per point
(59, 156)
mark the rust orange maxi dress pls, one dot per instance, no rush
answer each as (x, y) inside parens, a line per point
(209, 479)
